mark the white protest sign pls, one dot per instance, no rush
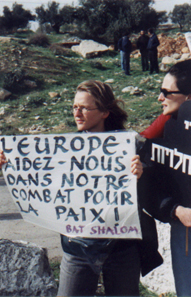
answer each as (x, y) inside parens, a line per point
(77, 184)
(188, 39)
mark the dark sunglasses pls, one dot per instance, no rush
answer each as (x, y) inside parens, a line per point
(166, 93)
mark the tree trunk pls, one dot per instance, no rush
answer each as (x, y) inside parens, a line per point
(56, 28)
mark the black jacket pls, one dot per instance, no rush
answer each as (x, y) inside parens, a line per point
(153, 42)
(142, 43)
(124, 44)
(167, 179)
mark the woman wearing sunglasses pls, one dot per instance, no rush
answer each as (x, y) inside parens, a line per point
(171, 177)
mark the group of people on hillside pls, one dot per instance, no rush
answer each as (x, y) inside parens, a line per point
(147, 44)
(161, 192)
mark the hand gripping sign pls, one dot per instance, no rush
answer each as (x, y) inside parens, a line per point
(75, 184)
(188, 39)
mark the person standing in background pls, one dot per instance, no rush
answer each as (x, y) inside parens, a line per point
(142, 43)
(119, 45)
(125, 47)
(153, 43)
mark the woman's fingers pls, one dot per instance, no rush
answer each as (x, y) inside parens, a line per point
(2, 159)
(136, 166)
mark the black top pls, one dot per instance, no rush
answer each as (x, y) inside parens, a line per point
(153, 43)
(124, 44)
(168, 177)
(142, 42)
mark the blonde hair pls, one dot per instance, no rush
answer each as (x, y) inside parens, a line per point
(105, 101)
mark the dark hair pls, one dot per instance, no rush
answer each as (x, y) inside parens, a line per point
(105, 101)
(127, 33)
(151, 31)
(182, 72)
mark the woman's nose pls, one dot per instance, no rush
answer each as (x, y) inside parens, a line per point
(161, 97)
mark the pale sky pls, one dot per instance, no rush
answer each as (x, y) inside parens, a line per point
(168, 5)
(159, 5)
(33, 3)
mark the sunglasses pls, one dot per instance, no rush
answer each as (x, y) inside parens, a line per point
(166, 93)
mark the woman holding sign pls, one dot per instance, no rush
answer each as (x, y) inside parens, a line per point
(171, 173)
(95, 109)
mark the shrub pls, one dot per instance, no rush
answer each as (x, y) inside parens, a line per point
(59, 50)
(97, 65)
(8, 129)
(39, 39)
(13, 80)
(34, 101)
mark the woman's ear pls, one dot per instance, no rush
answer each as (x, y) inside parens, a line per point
(105, 114)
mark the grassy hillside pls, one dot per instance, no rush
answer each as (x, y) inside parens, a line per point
(59, 70)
